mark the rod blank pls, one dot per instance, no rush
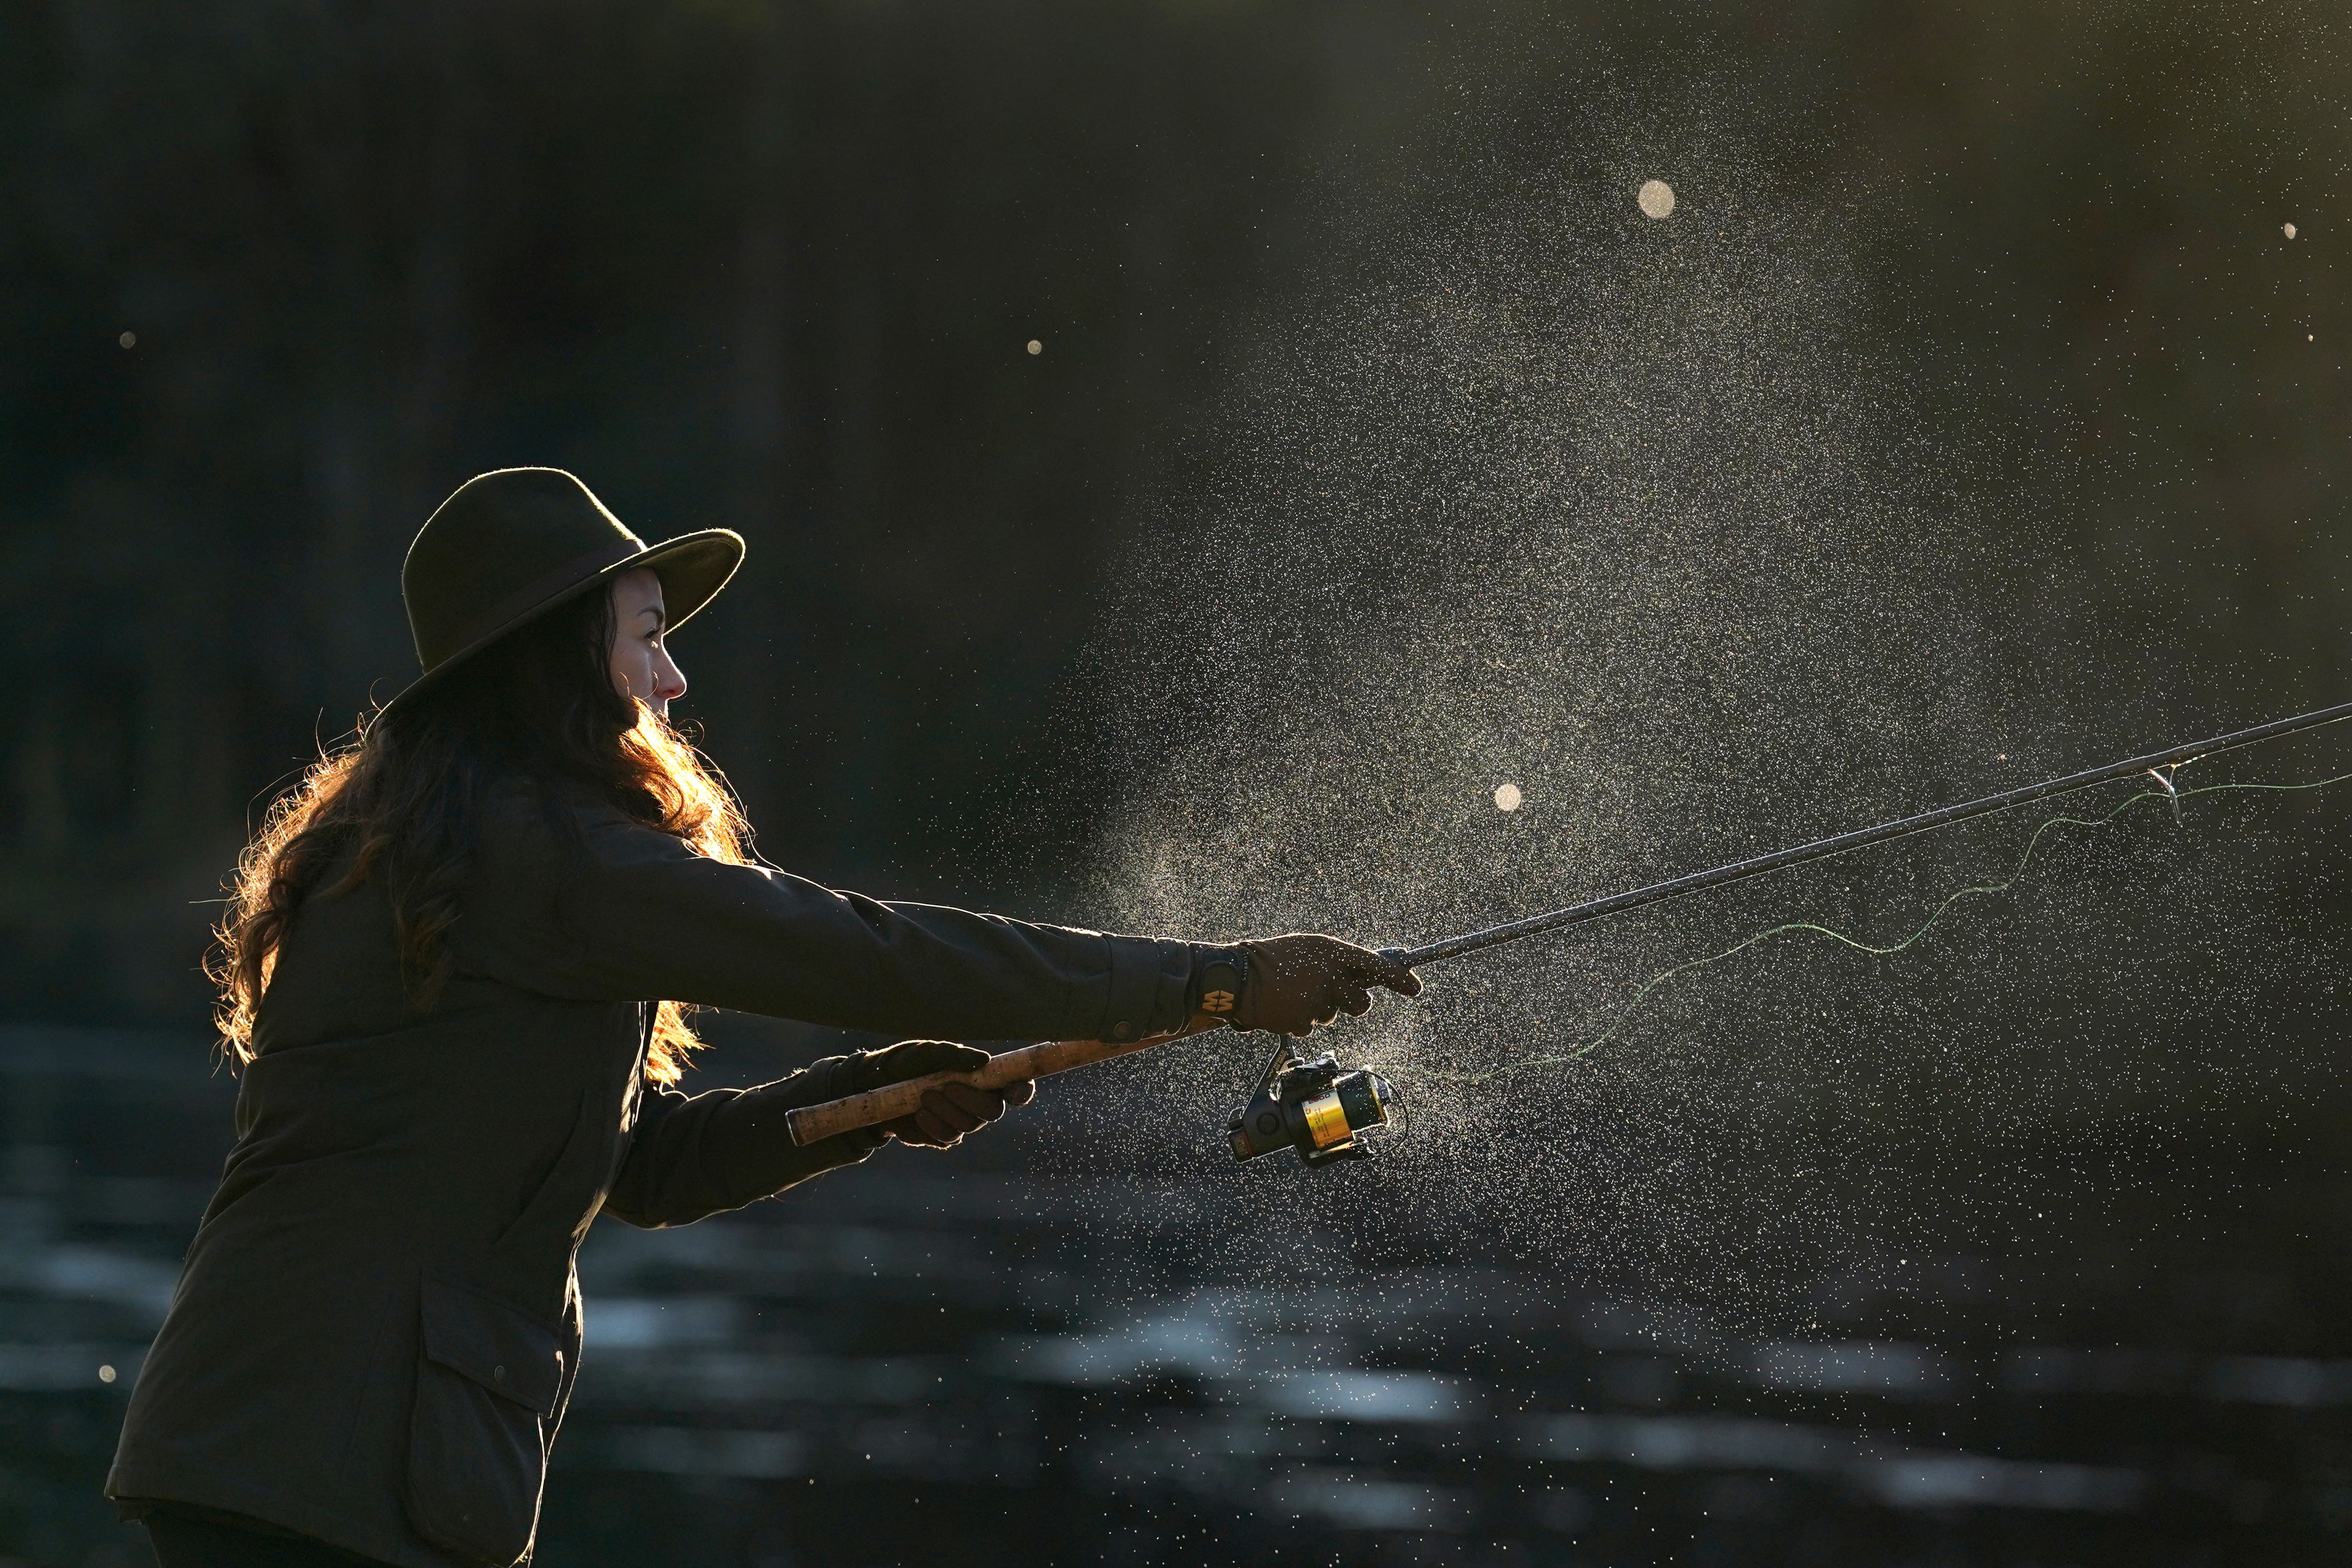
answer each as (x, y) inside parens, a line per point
(1860, 838)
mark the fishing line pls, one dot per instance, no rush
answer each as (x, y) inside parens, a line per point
(2167, 791)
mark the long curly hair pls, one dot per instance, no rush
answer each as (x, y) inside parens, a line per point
(408, 796)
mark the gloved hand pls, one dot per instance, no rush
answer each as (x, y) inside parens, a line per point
(1296, 982)
(948, 1112)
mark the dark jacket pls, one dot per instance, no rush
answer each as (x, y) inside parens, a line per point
(378, 1324)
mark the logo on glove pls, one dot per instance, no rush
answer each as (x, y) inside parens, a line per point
(1216, 1001)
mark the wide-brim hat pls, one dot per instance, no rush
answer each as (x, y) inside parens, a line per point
(510, 544)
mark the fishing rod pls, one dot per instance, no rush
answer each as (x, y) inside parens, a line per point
(1322, 1111)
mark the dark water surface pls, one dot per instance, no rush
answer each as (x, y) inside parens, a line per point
(984, 1358)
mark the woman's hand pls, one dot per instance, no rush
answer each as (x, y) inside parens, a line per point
(950, 1111)
(1299, 982)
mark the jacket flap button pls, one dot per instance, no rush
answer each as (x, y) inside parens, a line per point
(1118, 1030)
(501, 1347)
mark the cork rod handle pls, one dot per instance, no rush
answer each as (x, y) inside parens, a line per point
(811, 1123)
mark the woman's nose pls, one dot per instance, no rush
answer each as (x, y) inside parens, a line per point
(669, 681)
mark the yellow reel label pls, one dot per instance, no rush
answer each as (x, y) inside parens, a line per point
(1327, 1124)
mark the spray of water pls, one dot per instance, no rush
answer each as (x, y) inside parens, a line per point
(1636, 514)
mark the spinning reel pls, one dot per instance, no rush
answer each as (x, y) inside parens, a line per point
(1313, 1107)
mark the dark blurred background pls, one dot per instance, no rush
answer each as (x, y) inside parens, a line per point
(275, 277)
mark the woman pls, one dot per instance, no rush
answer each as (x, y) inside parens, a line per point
(455, 970)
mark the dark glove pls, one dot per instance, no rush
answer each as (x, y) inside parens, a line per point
(948, 1112)
(1293, 984)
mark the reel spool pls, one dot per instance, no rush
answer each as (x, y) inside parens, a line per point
(1313, 1107)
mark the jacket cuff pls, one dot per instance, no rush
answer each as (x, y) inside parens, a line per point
(1151, 988)
(835, 1078)
(757, 1143)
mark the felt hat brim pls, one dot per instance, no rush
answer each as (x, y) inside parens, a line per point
(693, 568)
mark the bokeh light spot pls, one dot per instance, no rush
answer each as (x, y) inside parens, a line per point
(129, 339)
(1035, 347)
(2287, 229)
(1508, 797)
(1656, 197)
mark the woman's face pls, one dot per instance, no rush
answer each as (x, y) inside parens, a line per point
(642, 667)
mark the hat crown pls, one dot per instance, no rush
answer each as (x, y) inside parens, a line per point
(502, 545)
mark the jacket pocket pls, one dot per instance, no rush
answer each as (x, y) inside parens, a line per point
(488, 1377)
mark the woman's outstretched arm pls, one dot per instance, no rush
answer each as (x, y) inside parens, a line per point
(636, 914)
(631, 914)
